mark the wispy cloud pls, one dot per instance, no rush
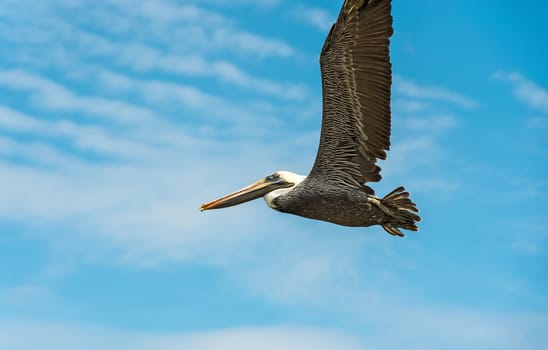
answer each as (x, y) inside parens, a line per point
(83, 137)
(29, 297)
(91, 37)
(16, 335)
(189, 24)
(420, 124)
(51, 95)
(453, 329)
(115, 110)
(267, 4)
(316, 17)
(145, 109)
(409, 105)
(249, 42)
(410, 88)
(411, 154)
(527, 91)
(196, 66)
(429, 124)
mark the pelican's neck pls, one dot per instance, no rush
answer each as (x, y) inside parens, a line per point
(289, 177)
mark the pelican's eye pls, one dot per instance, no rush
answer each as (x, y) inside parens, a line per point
(272, 178)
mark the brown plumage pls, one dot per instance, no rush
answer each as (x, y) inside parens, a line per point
(356, 82)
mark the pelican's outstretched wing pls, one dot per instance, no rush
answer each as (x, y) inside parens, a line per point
(356, 81)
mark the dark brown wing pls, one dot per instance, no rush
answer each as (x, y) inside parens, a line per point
(356, 81)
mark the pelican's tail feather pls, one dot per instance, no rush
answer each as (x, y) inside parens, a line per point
(401, 212)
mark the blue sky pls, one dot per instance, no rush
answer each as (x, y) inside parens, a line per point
(118, 118)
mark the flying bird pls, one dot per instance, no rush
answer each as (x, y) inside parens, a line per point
(356, 82)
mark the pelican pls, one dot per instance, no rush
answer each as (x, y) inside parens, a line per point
(356, 81)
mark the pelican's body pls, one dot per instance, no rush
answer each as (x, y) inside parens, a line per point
(316, 200)
(356, 81)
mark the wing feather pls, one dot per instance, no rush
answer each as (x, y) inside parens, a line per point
(356, 83)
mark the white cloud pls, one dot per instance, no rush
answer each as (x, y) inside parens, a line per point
(159, 37)
(141, 195)
(409, 105)
(266, 4)
(434, 328)
(145, 205)
(431, 124)
(225, 71)
(176, 24)
(16, 121)
(82, 137)
(327, 265)
(191, 100)
(428, 185)
(187, 99)
(30, 297)
(411, 89)
(409, 155)
(39, 154)
(249, 42)
(24, 335)
(183, 96)
(419, 122)
(410, 328)
(317, 17)
(170, 12)
(525, 90)
(51, 95)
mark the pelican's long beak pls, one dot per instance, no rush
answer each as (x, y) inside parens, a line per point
(246, 194)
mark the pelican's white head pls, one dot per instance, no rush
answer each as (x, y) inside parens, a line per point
(288, 177)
